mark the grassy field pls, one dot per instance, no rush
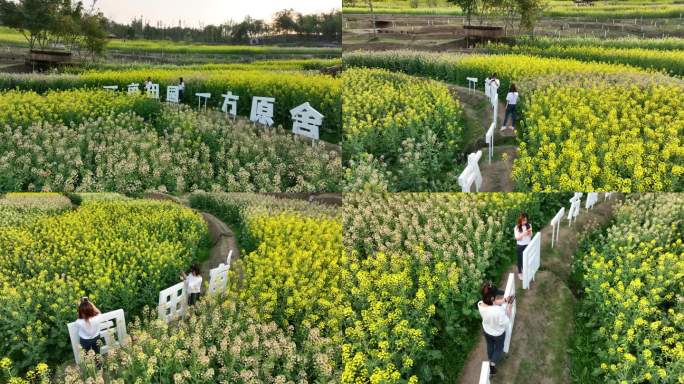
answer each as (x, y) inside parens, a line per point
(601, 9)
(13, 37)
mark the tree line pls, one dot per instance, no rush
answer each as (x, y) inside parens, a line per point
(68, 25)
(286, 25)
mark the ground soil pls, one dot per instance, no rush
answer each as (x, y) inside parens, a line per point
(543, 323)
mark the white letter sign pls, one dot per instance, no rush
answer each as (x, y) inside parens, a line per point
(306, 121)
(262, 110)
(531, 260)
(230, 100)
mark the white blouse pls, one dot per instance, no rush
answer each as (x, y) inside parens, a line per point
(525, 239)
(494, 318)
(90, 329)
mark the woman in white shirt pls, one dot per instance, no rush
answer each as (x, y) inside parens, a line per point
(511, 101)
(181, 89)
(495, 320)
(194, 280)
(88, 323)
(523, 235)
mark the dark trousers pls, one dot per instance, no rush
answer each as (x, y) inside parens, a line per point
(495, 346)
(90, 345)
(193, 298)
(520, 249)
(180, 95)
(510, 111)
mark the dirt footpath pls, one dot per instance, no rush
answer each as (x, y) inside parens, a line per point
(543, 322)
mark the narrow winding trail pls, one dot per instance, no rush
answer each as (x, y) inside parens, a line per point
(222, 238)
(496, 177)
(543, 322)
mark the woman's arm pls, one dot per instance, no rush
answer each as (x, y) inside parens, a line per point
(518, 235)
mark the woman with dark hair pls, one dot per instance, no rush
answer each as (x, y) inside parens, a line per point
(495, 320)
(194, 280)
(511, 101)
(181, 89)
(88, 323)
(523, 235)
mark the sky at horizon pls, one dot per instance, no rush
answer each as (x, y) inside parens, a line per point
(195, 13)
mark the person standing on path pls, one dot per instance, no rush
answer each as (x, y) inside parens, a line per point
(88, 324)
(511, 101)
(194, 280)
(523, 235)
(495, 320)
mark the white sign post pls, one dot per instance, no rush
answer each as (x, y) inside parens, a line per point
(173, 302)
(112, 330)
(489, 140)
(484, 373)
(487, 87)
(575, 204)
(133, 89)
(607, 195)
(555, 224)
(229, 106)
(306, 121)
(510, 291)
(472, 83)
(262, 110)
(153, 91)
(111, 87)
(531, 260)
(592, 199)
(471, 174)
(202, 96)
(172, 94)
(218, 277)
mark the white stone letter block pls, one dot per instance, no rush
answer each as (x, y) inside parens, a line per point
(229, 106)
(262, 110)
(306, 121)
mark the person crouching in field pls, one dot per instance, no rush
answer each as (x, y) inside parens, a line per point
(523, 235)
(495, 320)
(88, 323)
(194, 280)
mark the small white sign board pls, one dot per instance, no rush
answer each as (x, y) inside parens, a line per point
(555, 225)
(471, 174)
(489, 140)
(531, 260)
(133, 89)
(153, 91)
(218, 277)
(607, 195)
(306, 121)
(202, 96)
(510, 291)
(173, 94)
(592, 199)
(575, 204)
(484, 373)
(472, 83)
(262, 110)
(111, 87)
(112, 330)
(229, 106)
(173, 302)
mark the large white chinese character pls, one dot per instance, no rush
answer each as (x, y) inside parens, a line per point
(262, 110)
(230, 100)
(172, 93)
(133, 88)
(153, 91)
(306, 121)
